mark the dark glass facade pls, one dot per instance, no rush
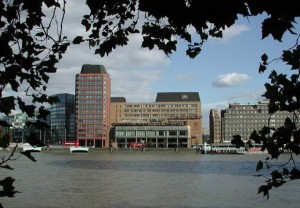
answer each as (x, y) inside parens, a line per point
(62, 119)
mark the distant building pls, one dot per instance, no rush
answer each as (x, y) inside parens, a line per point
(242, 119)
(170, 109)
(62, 119)
(92, 95)
(6, 130)
(19, 131)
(214, 126)
(205, 135)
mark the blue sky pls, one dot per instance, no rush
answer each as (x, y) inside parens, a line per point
(226, 70)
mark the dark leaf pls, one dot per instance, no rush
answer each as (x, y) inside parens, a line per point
(28, 155)
(7, 184)
(277, 184)
(7, 167)
(265, 190)
(4, 141)
(237, 141)
(78, 40)
(33, 140)
(295, 174)
(259, 165)
(276, 175)
(255, 137)
(264, 58)
(4, 124)
(262, 68)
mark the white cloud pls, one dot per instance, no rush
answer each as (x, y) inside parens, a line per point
(232, 32)
(134, 85)
(230, 80)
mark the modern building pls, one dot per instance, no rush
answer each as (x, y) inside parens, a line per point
(214, 126)
(19, 131)
(18, 122)
(154, 135)
(92, 95)
(242, 119)
(62, 119)
(170, 110)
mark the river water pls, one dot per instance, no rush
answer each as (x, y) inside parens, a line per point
(142, 179)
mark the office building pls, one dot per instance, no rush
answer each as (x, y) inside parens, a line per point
(174, 117)
(242, 119)
(62, 119)
(214, 126)
(92, 95)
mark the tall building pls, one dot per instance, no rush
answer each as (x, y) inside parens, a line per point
(170, 109)
(93, 88)
(214, 126)
(62, 119)
(242, 119)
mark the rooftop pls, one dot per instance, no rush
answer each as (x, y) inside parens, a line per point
(93, 69)
(177, 97)
(118, 100)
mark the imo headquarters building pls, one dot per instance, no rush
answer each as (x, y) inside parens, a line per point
(174, 119)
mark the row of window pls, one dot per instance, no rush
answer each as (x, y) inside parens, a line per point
(161, 115)
(91, 82)
(90, 77)
(91, 121)
(91, 116)
(264, 121)
(90, 135)
(150, 133)
(90, 126)
(89, 96)
(89, 101)
(80, 92)
(91, 130)
(95, 106)
(82, 87)
(160, 110)
(161, 106)
(92, 111)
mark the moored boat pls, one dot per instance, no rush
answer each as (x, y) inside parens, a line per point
(30, 148)
(79, 149)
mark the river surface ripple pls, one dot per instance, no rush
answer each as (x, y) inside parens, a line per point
(142, 179)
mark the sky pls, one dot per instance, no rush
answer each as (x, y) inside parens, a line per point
(226, 70)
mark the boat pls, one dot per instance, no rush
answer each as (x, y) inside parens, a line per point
(29, 148)
(79, 149)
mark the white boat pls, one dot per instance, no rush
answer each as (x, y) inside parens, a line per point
(74, 149)
(30, 148)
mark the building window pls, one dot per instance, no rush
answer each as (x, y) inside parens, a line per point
(150, 133)
(140, 133)
(183, 133)
(172, 133)
(130, 133)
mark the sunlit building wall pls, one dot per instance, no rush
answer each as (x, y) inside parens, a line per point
(92, 95)
(168, 107)
(214, 126)
(242, 119)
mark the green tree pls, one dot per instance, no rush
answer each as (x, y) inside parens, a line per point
(32, 45)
